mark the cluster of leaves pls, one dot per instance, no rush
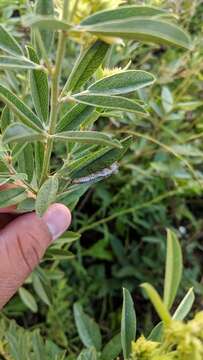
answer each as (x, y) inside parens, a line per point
(169, 339)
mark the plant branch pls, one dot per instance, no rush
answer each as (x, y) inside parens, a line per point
(54, 97)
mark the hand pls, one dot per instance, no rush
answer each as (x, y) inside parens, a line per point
(23, 241)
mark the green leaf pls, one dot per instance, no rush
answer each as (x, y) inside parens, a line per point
(88, 354)
(12, 196)
(141, 29)
(45, 23)
(72, 195)
(87, 137)
(26, 162)
(128, 324)
(18, 133)
(46, 8)
(28, 299)
(167, 99)
(46, 195)
(6, 118)
(87, 328)
(185, 306)
(39, 88)
(123, 82)
(174, 267)
(110, 102)
(156, 333)
(121, 13)
(20, 109)
(39, 289)
(96, 161)
(74, 117)
(112, 349)
(9, 62)
(27, 205)
(157, 302)
(86, 65)
(39, 159)
(8, 43)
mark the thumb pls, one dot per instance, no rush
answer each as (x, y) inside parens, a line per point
(23, 243)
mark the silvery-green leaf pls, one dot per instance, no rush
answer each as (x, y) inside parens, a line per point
(185, 306)
(8, 43)
(45, 23)
(174, 268)
(110, 102)
(46, 8)
(128, 324)
(143, 29)
(12, 196)
(87, 137)
(121, 13)
(123, 82)
(28, 299)
(46, 195)
(74, 117)
(39, 88)
(86, 65)
(20, 109)
(9, 62)
(112, 349)
(87, 328)
(6, 118)
(18, 133)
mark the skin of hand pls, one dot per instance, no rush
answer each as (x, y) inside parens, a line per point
(23, 242)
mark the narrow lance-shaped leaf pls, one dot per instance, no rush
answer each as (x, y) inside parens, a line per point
(141, 29)
(123, 82)
(45, 23)
(46, 195)
(121, 13)
(185, 306)
(19, 133)
(12, 196)
(110, 102)
(8, 43)
(26, 162)
(28, 299)
(20, 109)
(87, 137)
(86, 65)
(6, 118)
(112, 349)
(87, 328)
(88, 354)
(174, 267)
(39, 88)
(75, 117)
(158, 304)
(46, 8)
(8, 62)
(128, 324)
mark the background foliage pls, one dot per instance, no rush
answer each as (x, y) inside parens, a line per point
(122, 221)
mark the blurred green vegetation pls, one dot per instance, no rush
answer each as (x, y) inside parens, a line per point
(122, 221)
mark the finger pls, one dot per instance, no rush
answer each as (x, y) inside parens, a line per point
(23, 243)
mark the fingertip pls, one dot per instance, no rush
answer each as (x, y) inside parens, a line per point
(58, 219)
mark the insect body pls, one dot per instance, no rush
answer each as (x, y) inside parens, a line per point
(97, 176)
